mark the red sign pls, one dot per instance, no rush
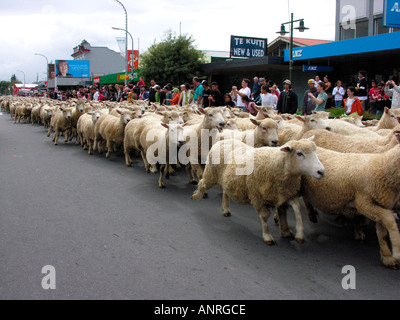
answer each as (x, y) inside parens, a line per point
(96, 80)
(135, 60)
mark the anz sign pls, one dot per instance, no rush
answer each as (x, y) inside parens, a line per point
(297, 53)
(391, 13)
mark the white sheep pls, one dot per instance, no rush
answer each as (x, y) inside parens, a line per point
(371, 188)
(85, 129)
(60, 123)
(273, 179)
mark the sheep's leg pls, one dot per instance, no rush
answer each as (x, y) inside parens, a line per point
(385, 222)
(189, 171)
(226, 205)
(146, 164)
(56, 136)
(66, 136)
(109, 148)
(128, 159)
(281, 219)
(49, 131)
(163, 168)
(264, 214)
(198, 170)
(312, 213)
(295, 204)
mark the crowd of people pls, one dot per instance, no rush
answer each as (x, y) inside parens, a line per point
(355, 95)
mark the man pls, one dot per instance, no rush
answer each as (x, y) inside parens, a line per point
(152, 92)
(256, 91)
(216, 96)
(394, 93)
(361, 89)
(245, 91)
(308, 105)
(198, 93)
(287, 102)
(206, 93)
(322, 98)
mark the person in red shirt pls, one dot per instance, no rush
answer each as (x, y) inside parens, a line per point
(141, 82)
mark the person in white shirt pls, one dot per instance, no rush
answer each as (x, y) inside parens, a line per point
(394, 93)
(96, 95)
(245, 91)
(268, 98)
(338, 92)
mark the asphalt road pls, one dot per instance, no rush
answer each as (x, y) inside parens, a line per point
(111, 233)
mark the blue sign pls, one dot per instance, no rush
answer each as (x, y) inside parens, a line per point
(72, 69)
(391, 13)
(308, 68)
(242, 47)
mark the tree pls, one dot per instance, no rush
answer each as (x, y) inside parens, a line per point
(174, 59)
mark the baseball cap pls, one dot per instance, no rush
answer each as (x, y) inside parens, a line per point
(288, 82)
(175, 90)
(205, 82)
(214, 83)
(261, 79)
(311, 81)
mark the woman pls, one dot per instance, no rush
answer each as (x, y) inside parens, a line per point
(320, 101)
(186, 96)
(268, 97)
(352, 104)
(144, 94)
(250, 105)
(338, 92)
(245, 91)
(228, 101)
(328, 91)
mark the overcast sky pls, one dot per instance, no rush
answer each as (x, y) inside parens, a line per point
(54, 27)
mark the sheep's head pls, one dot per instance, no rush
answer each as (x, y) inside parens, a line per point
(213, 118)
(172, 116)
(186, 115)
(231, 124)
(175, 133)
(125, 116)
(137, 112)
(314, 122)
(304, 159)
(267, 131)
(67, 114)
(390, 118)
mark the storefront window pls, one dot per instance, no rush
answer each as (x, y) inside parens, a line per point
(379, 28)
(362, 29)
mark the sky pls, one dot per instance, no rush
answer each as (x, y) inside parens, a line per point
(54, 27)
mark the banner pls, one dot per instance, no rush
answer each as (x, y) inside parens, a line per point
(121, 43)
(243, 47)
(135, 60)
(72, 69)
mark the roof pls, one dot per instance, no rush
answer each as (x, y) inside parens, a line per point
(305, 42)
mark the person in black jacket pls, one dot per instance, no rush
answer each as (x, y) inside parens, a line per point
(287, 102)
(152, 92)
(362, 90)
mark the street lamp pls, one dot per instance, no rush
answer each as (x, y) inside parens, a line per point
(114, 28)
(24, 76)
(283, 32)
(47, 60)
(126, 41)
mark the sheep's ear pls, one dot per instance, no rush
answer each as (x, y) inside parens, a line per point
(302, 119)
(386, 110)
(314, 112)
(202, 110)
(90, 113)
(118, 111)
(161, 113)
(311, 138)
(397, 135)
(255, 122)
(165, 125)
(398, 119)
(286, 149)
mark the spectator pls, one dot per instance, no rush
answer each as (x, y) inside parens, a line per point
(287, 102)
(101, 96)
(81, 93)
(373, 91)
(232, 94)
(96, 94)
(317, 80)
(277, 92)
(198, 93)
(152, 91)
(321, 100)
(338, 93)
(125, 94)
(328, 90)
(394, 93)
(256, 91)
(268, 97)
(206, 93)
(352, 104)
(228, 101)
(141, 82)
(308, 104)
(361, 89)
(144, 94)
(186, 96)
(395, 76)
(118, 92)
(379, 100)
(245, 91)
(175, 97)
(216, 97)
(168, 96)
(157, 93)
(249, 105)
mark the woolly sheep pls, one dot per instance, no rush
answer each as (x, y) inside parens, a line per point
(85, 129)
(60, 123)
(274, 181)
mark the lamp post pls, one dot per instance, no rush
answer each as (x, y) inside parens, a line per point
(24, 76)
(283, 32)
(126, 41)
(114, 28)
(47, 60)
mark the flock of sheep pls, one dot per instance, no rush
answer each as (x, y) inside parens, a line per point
(338, 166)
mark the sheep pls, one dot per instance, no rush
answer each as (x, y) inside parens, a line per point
(78, 109)
(350, 144)
(111, 130)
(263, 112)
(271, 179)
(60, 123)
(46, 113)
(231, 124)
(35, 114)
(295, 132)
(85, 129)
(23, 112)
(371, 189)
(348, 129)
(212, 123)
(166, 117)
(265, 134)
(387, 122)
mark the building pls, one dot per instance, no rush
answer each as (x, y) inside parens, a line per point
(277, 47)
(102, 61)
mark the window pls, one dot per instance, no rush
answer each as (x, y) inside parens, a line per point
(379, 28)
(347, 34)
(361, 29)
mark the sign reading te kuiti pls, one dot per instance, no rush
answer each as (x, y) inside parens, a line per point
(243, 47)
